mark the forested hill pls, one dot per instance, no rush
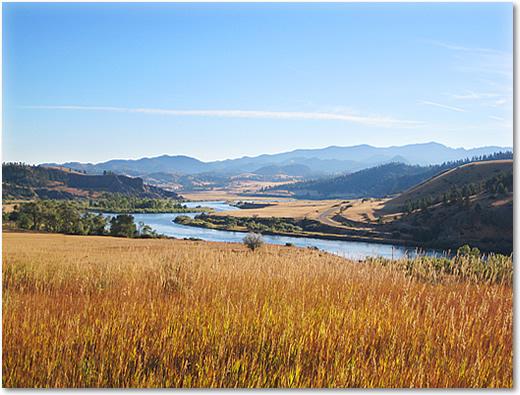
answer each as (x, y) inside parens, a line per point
(379, 181)
(471, 204)
(24, 181)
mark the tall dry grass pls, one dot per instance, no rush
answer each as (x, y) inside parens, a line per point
(105, 312)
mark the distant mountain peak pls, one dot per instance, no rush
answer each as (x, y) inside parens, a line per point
(330, 160)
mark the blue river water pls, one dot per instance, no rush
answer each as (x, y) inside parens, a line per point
(163, 223)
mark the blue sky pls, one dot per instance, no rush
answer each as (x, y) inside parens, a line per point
(92, 82)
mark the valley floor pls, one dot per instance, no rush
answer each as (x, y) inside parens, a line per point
(371, 220)
(350, 220)
(106, 312)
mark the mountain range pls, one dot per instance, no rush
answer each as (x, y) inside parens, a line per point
(300, 162)
(378, 181)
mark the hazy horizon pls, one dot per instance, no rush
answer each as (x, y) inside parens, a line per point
(252, 156)
(94, 82)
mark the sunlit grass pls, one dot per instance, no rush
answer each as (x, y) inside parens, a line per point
(106, 312)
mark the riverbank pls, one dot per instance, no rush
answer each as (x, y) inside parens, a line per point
(265, 226)
(153, 211)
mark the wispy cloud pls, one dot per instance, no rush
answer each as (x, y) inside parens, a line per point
(496, 118)
(471, 95)
(440, 105)
(492, 100)
(462, 48)
(487, 61)
(499, 103)
(379, 121)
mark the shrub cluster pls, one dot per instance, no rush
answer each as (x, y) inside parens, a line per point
(468, 264)
(258, 225)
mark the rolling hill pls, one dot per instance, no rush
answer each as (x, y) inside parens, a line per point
(22, 181)
(290, 170)
(170, 164)
(471, 204)
(443, 183)
(379, 181)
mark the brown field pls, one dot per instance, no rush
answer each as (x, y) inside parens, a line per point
(310, 209)
(242, 186)
(236, 190)
(8, 207)
(105, 312)
(210, 195)
(218, 194)
(362, 210)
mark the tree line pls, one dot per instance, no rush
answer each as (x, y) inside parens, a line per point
(251, 224)
(72, 218)
(119, 203)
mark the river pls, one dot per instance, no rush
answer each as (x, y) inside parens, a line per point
(163, 223)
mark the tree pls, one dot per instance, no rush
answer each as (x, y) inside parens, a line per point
(253, 241)
(98, 225)
(144, 230)
(23, 221)
(445, 199)
(123, 226)
(71, 220)
(466, 250)
(232, 222)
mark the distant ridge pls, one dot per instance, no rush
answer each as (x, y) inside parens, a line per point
(302, 162)
(378, 181)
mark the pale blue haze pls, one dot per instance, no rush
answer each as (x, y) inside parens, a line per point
(396, 73)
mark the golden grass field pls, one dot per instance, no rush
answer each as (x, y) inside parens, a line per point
(107, 312)
(299, 209)
(236, 190)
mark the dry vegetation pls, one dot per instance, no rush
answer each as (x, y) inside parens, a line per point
(104, 312)
(298, 209)
(360, 210)
(473, 172)
(235, 190)
(221, 194)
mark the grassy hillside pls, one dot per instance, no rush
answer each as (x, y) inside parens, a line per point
(376, 182)
(106, 312)
(21, 181)
(472, 204)
(471, 173)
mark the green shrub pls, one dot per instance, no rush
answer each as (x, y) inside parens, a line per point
(253, 241)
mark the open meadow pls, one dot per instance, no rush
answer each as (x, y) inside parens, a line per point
(92, 311)
(298, 209)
